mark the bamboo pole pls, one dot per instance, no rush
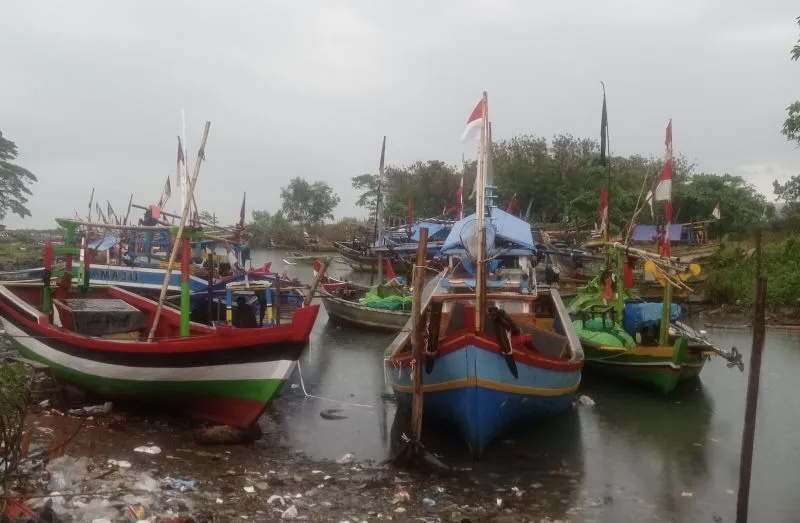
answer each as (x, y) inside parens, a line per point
(416, 336)
(480, 204)
(313, 290)
(177, 243)
(751, 405)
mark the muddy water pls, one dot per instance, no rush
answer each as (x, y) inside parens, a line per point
(632, 457)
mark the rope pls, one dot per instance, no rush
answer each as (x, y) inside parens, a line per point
(307, 395)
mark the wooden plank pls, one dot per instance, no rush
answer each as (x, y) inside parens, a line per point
(417, 339)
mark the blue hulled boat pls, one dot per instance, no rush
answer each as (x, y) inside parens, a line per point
(500, 352)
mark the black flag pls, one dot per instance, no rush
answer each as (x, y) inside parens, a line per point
(603, 130)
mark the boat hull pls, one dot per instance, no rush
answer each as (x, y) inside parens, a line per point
(223, 375)
(472, 389)
(658, 368)
(351, 313)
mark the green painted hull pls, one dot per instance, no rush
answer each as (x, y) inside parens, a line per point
(198, 391)
(660, 373)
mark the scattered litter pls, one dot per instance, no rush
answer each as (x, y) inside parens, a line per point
(586, 401)
(499, 502)
(686, 494)
(179, 484)
(90, 410)
(536, 485)
(347, 458)
(730, 491)
(399, 510)
(120, 463)
(289, 513)
(249, 489)
(428, 502)
(44, 403)
(275, 497)
(316, 472)
(219, 501)
(152, 449)
(401, 495)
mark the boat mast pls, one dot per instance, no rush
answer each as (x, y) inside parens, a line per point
(379, 214)
(181, 241)
(480, 208)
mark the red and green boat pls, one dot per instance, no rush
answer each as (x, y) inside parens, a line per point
(103, 340)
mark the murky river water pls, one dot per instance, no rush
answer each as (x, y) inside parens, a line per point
(638, 456)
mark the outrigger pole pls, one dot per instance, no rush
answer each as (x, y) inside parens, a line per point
(181, 241)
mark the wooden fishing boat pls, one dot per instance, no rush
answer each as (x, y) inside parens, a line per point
(498, 353)
(299, 258)
(117, 344)
(385, 307)
(622, 335)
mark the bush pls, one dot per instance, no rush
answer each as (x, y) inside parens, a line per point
(732, 269)
(15, 389)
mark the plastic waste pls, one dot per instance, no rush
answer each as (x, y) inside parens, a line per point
(289, 513)
(586, 401)
(152, 449)
(347, 458)
(66, 472)
(180, 484)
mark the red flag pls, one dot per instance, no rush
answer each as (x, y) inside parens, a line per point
(604, 210)
(389, 270)
(410, 217)
(627, 274)
(608, 291)
(474, 122)
(512, 204)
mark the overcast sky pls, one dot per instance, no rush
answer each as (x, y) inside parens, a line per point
(91, 91)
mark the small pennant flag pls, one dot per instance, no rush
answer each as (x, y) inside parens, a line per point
(512, 204)
(664, 188)
(715, 212)
(474, 122)
(241, 212)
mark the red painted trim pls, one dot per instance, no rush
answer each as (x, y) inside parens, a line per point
(203, 338)
(460, 339)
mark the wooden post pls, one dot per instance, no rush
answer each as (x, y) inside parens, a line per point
(177, 243)
(416, 335)
(748, 432)
(277, 305)
(313, 290)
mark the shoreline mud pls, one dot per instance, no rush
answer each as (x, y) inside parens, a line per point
(117, 466)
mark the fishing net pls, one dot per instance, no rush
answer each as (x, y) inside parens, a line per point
(386, 298)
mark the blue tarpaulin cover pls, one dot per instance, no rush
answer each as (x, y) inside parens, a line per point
(647, 233)
(646, 314)
(104, 244)
(507, 227)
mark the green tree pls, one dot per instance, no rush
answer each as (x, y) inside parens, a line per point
(208, 217)
(791, 127)
(368, 185)
(308, 204)
(14, 181)
(741, 205)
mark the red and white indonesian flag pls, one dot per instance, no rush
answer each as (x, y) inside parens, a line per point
(604, 210)
(664, 188)
(474, 122)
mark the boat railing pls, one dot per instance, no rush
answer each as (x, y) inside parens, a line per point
(569, 330)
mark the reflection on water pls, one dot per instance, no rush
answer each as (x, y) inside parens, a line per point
(634, 456)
